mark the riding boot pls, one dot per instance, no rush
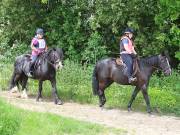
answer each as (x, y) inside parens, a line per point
(132, 79)
(30, 73)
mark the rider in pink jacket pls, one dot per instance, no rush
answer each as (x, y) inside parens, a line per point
(128, 52)
(38, 46)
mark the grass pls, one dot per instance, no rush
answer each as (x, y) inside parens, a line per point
(14, 121)
(74, 84)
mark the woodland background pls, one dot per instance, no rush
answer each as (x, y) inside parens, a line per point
(89, 30)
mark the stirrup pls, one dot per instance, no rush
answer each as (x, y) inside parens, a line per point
(29, 74)
(132, 79)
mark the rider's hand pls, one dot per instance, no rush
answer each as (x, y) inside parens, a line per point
(133, 55)
(36, 50)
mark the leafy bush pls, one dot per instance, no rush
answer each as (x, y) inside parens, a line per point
(88, 30)
(162, 99)
(12, 52)
(170, 83)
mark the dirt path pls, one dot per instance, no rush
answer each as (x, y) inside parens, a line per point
(135, 123)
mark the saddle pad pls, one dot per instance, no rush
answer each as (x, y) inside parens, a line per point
(119, 62)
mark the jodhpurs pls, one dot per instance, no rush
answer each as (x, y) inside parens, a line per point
(127, 59)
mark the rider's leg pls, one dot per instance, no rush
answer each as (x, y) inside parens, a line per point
(33, 59)
(127, 59)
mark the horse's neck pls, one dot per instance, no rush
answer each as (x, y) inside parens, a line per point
(43, 60)
(149, 64)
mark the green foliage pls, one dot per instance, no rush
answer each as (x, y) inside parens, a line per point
(88, 30)
(94, 50)
(167, 83)
(162, 99)
(14, 51)
(9, 120)
(167, 20)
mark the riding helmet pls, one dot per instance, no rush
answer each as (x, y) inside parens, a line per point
(129, 30)
(40, 31)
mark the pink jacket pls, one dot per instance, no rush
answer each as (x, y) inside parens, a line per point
(39, 44)
(128, 48)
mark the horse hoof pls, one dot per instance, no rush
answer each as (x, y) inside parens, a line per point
(14, 90)
(101, 105)
(39, 99)
(149, 111)
(24, 96)
(59, 102)
(129, 109)
(102, 108)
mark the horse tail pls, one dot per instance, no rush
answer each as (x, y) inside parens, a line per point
(95, 82)
(12, 82)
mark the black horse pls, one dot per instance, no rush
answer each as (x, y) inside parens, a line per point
(44, 69)
(107, 71)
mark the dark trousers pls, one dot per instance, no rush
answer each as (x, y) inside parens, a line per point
(33, 59)
(128, 60)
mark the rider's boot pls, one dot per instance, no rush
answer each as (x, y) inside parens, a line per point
(30, 73)
(132, 79)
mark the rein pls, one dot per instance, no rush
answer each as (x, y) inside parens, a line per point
(165, 70)
(45, 57)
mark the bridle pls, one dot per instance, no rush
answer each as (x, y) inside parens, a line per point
(166, 68)
(52, 63)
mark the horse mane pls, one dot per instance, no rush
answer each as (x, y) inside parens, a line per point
(151, 60)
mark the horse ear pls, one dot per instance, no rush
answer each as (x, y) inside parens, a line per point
(164, 53)
(49, 51)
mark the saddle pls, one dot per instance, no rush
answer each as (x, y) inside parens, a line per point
(38, 61)
(120, 63)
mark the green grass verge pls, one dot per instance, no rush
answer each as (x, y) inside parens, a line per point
(74, 83)
(14, 121)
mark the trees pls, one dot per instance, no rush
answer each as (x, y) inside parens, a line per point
(87, 30)
(168, 20)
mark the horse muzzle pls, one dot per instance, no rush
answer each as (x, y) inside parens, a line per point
(168, 72)
(59, 65)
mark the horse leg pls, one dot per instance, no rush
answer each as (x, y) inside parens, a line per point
(39, 97)
(24, 83)
(14, 83)
(54, 92)
(102, 97)
(133, 96)
(146, 97)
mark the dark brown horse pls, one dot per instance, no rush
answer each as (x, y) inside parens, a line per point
(107, 71)
(46, 66)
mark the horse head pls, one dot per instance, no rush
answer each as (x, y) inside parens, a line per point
(164, 63)
(55, 57)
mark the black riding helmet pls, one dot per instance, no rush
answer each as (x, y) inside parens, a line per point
(128, 30)
(40, 31)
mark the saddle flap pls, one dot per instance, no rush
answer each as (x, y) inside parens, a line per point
(119, 61)
(38, 62)
(135, 66)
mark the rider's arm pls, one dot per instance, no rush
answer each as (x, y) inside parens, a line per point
(34, 42)
(32, 47)
(134, 51)
(46, 48)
